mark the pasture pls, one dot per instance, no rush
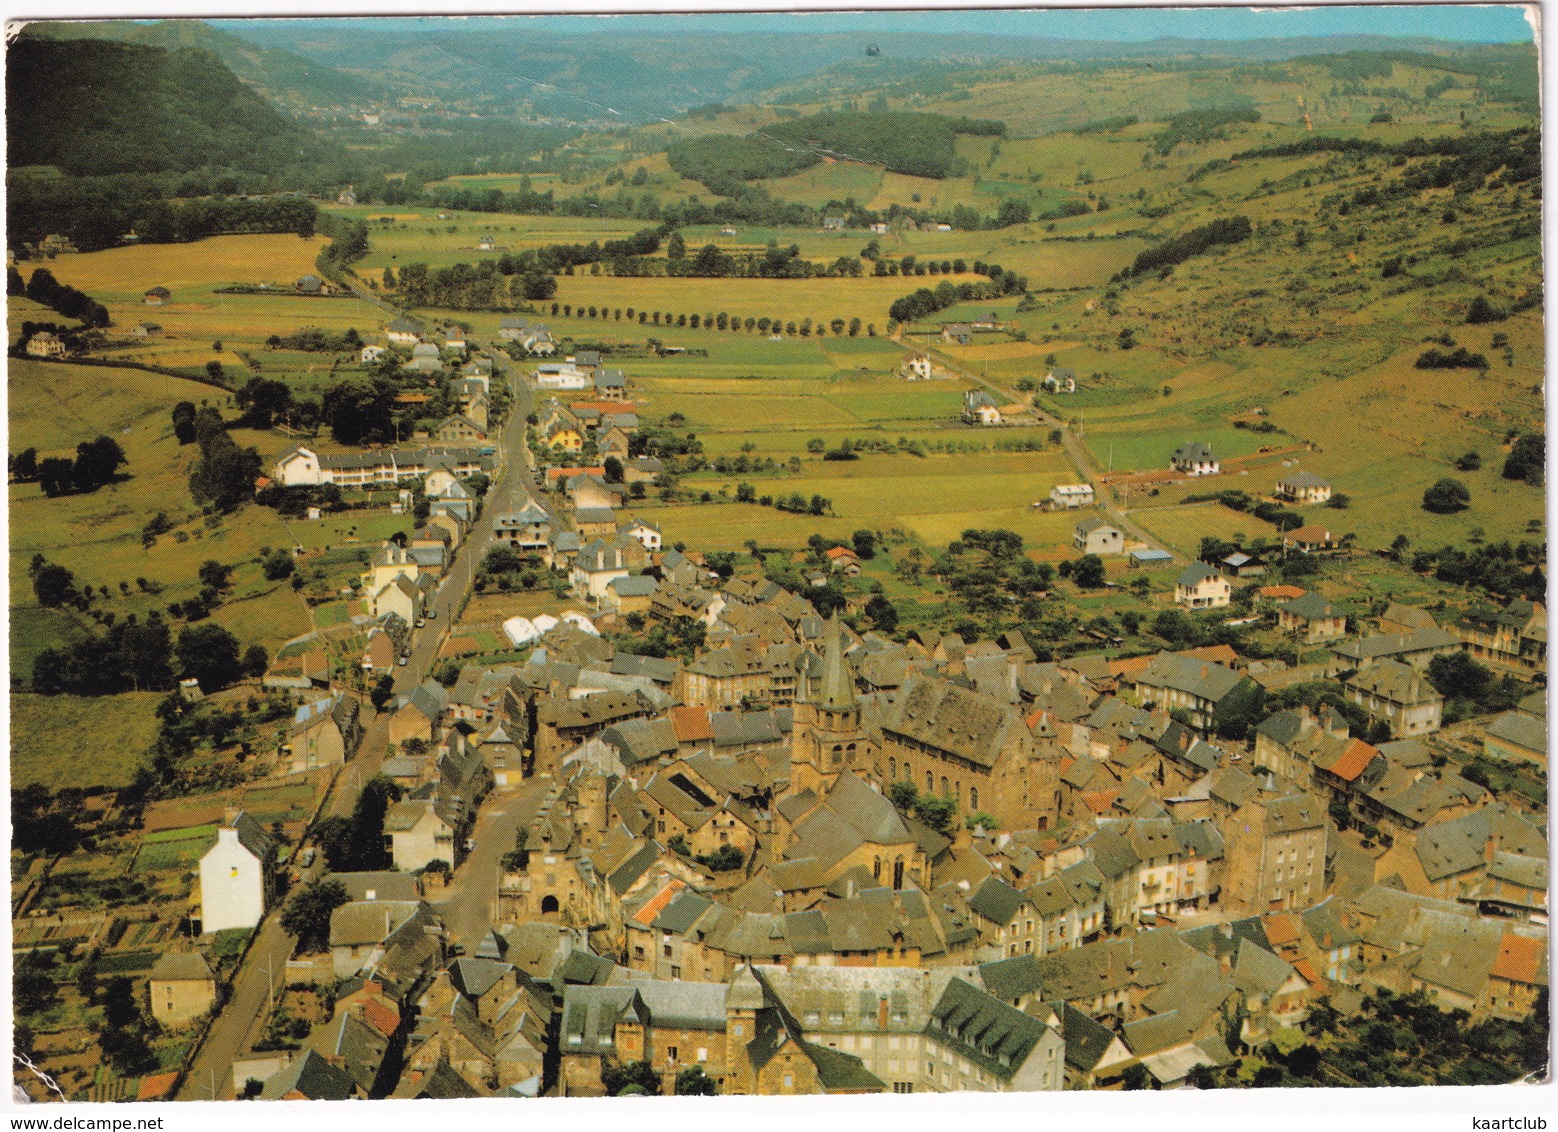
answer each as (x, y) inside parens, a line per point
(933, 497)
(80, 740)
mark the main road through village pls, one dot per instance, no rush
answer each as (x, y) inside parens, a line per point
(468, 903)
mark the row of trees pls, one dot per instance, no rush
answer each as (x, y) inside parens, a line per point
(223, 477)
(97, 463)
(927, 301)
(48, 291)
(138, 655)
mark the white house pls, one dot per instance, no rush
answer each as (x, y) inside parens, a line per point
(1066, 496)
(1094, 536)
(980, 408)
(1194, 459)
(1304, 487)
(917, 368)
(562, 375)
(234, 875)
(299, 467)
(403, 332)
(646, 533)
(371, 354)
(1060, 379)
(1200, 586)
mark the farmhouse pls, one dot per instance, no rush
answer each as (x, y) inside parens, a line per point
(980, 408)
(1308, 539)
(458, 429)
(1303, 487)
(45, 344)
(157, 296)
(959, 332)
(1094, 536)
(182, 988)
(1200, 586)
(611, 385)
(917, 367)
(1061, 379)
(403, 332)
(371, 355)
(1194, 459)
(1067, 496)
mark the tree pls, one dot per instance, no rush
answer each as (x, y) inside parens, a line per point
(56, 475)
(1240, 710)
(209, 654)
(53, 585)
(215, 575)
(864, 543)
(883, 614)
(902, 793)
(633, 1079)
(24, 465)
(1528, 460)
(694, 1082)
(1446, 497)
(333, 835)
(367, 823)
(613, 467)
(307, 914)
(1482, 311)
(936, 812)
(184, 422)
(1457, 676)
(383, 692)
(255, 661)
(1088, 572)
(277, 564)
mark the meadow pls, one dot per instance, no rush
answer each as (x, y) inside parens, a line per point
(80, 740)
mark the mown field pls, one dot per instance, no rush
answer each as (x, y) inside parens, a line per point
(80, 740)
(98, 535)
(198, 319)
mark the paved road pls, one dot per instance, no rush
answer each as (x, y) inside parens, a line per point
(469, 905)
(210, 1074)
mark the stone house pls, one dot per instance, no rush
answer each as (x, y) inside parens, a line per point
(1303, 488)
(1095, 536)
(1399, 695)
(182, 989)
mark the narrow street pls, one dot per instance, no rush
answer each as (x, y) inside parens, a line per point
(470, 902)
(209, 1076)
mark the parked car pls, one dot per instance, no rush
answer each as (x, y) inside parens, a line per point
(421, 621)
(402, 661)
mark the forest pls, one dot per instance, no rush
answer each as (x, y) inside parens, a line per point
(920, 145)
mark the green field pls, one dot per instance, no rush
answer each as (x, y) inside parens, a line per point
(80, 740)
(173, 849)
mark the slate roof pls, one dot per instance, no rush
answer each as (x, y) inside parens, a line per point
(181, 967)
(1199, 678)
(960, 721)
(1521, 730)
(1310, 607)
(986, 1031)
(313, 1077)
(1394, 644)
(1196, 573)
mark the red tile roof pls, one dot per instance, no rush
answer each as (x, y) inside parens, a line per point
(1519, 959)
(1217, 654)
(1131, 666)
(1281, 591)
(691, 724)
(157, 1086)
(1353, 760)
(1281, 929)
(646, 915)
(837, 552)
